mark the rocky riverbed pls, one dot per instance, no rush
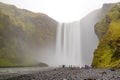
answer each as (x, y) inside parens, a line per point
(71, 74)
(6, 73)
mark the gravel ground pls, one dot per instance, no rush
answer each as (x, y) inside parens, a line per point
(6, 73)
(72, 74)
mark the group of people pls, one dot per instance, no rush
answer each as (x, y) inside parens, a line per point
(74, 66)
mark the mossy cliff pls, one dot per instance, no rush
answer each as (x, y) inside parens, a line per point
(107, 54)
(22, 33)
(89, 40)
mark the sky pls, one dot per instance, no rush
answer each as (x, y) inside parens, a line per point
(61, 10)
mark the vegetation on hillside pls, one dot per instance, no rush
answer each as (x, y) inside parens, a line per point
(21, 32)
(107, 55)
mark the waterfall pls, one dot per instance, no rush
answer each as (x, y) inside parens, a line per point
(68, 44)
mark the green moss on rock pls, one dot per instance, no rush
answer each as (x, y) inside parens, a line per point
(107, 55)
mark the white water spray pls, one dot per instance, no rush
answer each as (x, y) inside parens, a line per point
(68, 44)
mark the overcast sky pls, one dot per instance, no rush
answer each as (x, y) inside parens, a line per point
(61, 10)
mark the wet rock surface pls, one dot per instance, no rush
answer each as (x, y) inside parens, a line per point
(72, 74)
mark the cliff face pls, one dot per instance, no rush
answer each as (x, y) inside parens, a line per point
(89, 40)
(107, 54)
(22, 33)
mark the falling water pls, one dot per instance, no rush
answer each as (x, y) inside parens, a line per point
(68, 44)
